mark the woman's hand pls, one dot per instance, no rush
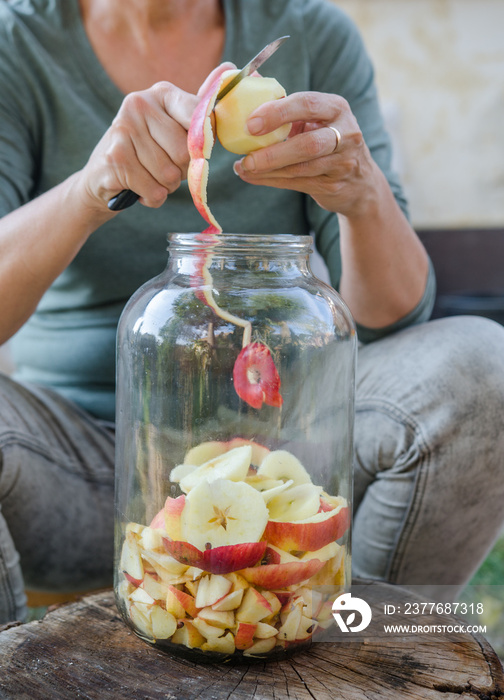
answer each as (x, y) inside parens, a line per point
(339, 173)
(145, 148)
(384, 265)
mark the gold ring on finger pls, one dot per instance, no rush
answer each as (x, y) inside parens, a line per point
(338, 138)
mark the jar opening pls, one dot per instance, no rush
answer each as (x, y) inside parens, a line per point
(279, 244)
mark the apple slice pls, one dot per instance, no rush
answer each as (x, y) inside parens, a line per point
(205, 451)
(173, 508)
(186, 602)
(265, 631)
(211, 589)
(220, 645)
(141, 620)
(273, 576)
(296, 503)
(218, 618)
(223, 512)
(231, 601)
(208, 631)
(291, 620)
(232, 465)
(188, 635)
(154, 586)
(244, 637)
(259, 451)
(217, 560)
(131, 559)
(281, 464)
(163, 623)
(311, 533)
(262, 646)
(254, 607)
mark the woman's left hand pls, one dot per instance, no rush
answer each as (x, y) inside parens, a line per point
(325, 155)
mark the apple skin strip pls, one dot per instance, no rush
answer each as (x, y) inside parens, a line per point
(200, 142)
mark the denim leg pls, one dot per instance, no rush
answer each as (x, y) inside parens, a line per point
(56, 497)
(429, 452)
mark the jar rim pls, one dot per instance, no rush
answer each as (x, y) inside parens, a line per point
(286, 242)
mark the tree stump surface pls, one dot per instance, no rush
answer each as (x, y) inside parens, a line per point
(83, 649)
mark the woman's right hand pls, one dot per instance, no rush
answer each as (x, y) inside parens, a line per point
(145, 148)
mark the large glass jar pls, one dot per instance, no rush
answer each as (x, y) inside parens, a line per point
(235, 404)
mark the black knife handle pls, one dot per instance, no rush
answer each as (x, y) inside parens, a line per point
(123, 200)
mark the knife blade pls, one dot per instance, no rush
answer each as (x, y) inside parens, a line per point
(127, 198)
(252, 65)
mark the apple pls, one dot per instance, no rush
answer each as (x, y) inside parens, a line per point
(163, 623)
(259, 451)
(291, 620)
(310, 533)
(173, 508)
(218, 618)
(134, 581)
(187, 602)
(254, 607)
(232, 112)
(217, 560)
(244, 637)
(221, 645)
(231, 465)
(131, 559)
(295, 503)
(273, 576)
(262, 646)
(231, 601)
(208, 631)
(211, 589)
(265, 631)
(281, 464)
(140, 617)
(223, 512)
(154, 586)
(204, 452)
(157, 522)
(188, 635)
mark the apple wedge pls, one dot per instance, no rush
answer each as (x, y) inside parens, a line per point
(232, 465)
(281, 464)
(311, 533)
(271, 576)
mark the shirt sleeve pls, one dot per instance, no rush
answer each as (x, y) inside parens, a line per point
(17, 149)
(341, 65)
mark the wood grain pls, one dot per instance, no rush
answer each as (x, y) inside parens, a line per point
(84, 650)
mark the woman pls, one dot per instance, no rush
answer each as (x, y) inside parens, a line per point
(96, 96)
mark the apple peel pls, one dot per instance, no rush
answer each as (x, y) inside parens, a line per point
(217, 560)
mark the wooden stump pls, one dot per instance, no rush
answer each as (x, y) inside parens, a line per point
(84, 650)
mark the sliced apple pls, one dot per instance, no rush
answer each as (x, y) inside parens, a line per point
(188, 635)
(254, 607)
(311, 533)
(244, 637)
(154, 586)
(173, 508)
(232, 112)
(211, 589)
(223, 512)
(232, 465)
(219, 618)
(295, 503)
(141, 619)
(231, 601)
(330, 551)
(220, 645)
(131, 559)
(259, 452)
(217, 560)
(291, 620)
(261, 646)
(208, 631)
(186, 601)
(281, 464)
(205, 451)
(163, 623)
(273, 576)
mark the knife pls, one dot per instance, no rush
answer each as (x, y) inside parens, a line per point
(127, 198)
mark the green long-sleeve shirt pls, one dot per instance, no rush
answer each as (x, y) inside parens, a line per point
(56, 101)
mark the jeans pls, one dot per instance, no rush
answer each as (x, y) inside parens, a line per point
(428, 477)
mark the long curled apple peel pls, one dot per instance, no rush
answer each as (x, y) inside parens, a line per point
(200, 142)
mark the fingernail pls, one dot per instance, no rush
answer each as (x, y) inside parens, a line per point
(255, 125)
(248, 163)
(236, 167)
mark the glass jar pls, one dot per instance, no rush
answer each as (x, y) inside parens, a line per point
(235, 406)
